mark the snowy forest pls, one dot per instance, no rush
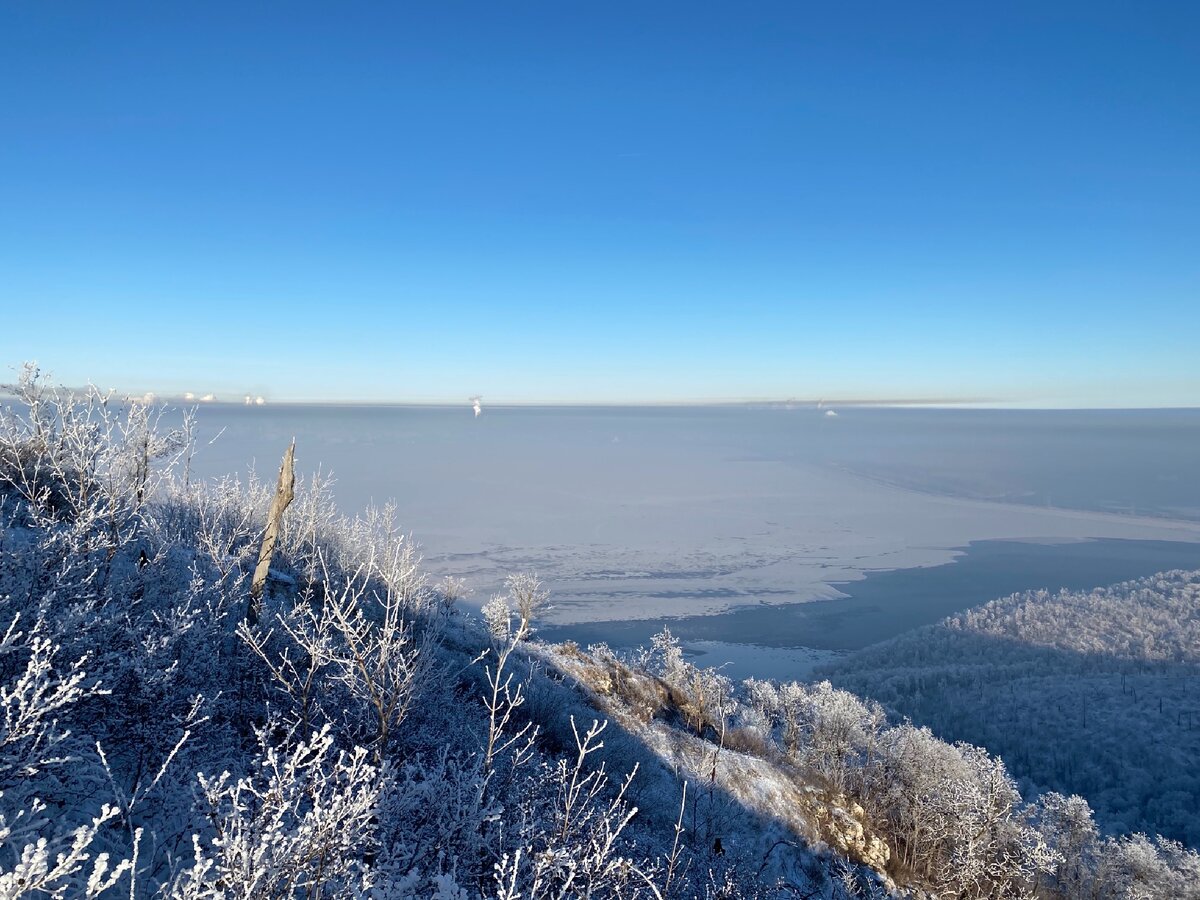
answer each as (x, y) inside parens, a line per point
(1089, 692)
(198, 704)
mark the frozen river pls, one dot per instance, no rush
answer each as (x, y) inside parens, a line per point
(645, 513)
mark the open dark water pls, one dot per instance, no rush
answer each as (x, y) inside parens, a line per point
(886, 604)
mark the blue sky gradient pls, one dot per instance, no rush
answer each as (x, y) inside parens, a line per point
(567, 202)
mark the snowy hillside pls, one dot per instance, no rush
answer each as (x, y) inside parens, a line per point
(1089, 692)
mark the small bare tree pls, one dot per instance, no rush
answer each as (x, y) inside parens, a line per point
(578, 856)
(504, 697)
(529, 597)
(356, 639)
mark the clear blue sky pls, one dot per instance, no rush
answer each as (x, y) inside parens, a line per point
(606, 201)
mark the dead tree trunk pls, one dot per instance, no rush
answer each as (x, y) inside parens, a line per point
(285, 491)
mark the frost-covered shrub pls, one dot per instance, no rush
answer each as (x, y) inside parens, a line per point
(60, 866)
(1136, 866)
(299, 823)
(702, 694)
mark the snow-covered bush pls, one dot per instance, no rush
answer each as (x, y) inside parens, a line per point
(298, 824)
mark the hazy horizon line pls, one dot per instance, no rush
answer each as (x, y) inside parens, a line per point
(820, 403)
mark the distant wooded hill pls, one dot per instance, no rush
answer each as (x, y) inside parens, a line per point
(1090, 692)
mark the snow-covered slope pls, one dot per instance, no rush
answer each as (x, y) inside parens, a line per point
(1089, 692)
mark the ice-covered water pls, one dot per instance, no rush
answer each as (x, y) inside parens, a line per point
(640, 513)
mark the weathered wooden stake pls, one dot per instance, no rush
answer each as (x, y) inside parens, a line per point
(285, 492)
